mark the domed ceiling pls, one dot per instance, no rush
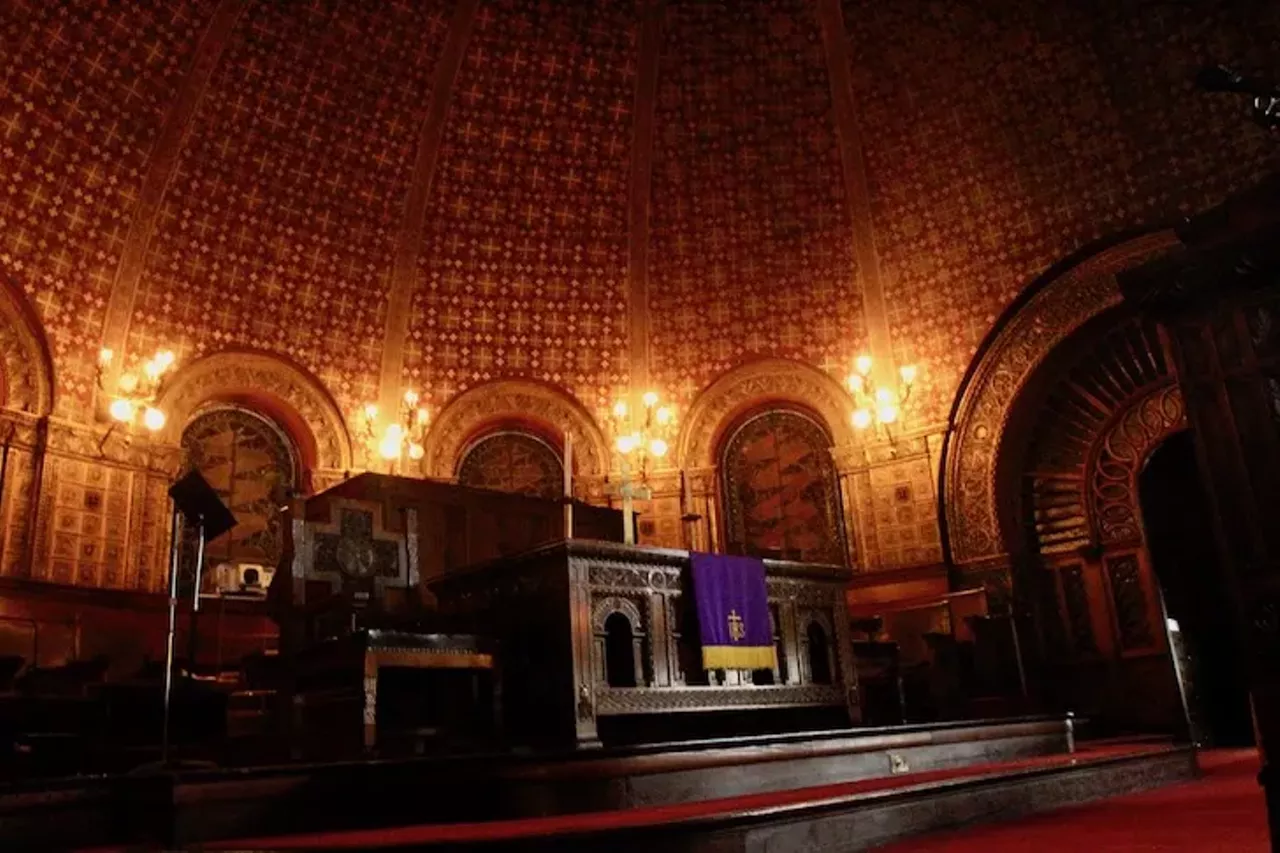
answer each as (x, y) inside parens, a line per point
(438, 193)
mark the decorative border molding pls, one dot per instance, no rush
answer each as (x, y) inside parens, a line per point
(750, 385)
(272, 384)
(1117, 457)
(1013, 351)
(404, 275)
(512, 400)
(26, 362)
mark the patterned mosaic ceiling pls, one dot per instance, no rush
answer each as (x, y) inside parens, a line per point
(209, 174)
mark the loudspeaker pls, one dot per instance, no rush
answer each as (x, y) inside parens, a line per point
(195, 498)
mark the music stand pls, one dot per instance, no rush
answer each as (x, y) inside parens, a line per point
(195, 501)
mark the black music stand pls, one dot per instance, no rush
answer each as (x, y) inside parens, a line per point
(199, 506)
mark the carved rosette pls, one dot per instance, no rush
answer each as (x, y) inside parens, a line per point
(1119, 457)
(987, 399)
(751, 385)
(507, 401)
(231, 375)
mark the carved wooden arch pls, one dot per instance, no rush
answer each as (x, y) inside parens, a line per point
(513, 401)
(606, 607)
(1019, 343)
(1119, 456)
(26, 362)
(750, 386)
(272, 385)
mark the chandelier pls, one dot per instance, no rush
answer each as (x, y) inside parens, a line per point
(639, 440)
(133, 400)
(404, 436)
(874, 404)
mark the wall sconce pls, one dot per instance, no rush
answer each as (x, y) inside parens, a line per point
(641, 439)
(134, 398)
(637, 441)
(876, 405)
(405, 436)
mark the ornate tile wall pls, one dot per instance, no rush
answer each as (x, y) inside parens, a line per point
(278, 229)
(1002, 137)
(84, 89)
(523, 273)
(751, 247)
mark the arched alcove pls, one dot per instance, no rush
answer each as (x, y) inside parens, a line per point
(26, 361)
(779, 492)
(510, 459)
(251, 463)
(284, 392)
(817, 654)
(514, 406)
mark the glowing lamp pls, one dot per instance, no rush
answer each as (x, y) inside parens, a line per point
(129, 383)
(908, 373)
(122, 410)
(664, 416)
(416, 451)
(887, 413)
(620, 409)
(650, 399)
(153, 419)
(856, 383)
(105, 356)
(884, 397)
(371, 412)
(627, 443)
(863, 364)
(658, 448)
(861, 419)
(422, 416)
(411, 398)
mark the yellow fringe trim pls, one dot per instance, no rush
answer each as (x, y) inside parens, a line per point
(739, 657)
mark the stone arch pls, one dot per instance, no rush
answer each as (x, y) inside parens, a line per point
(269, 384)
(1045, 316)
(544, 409)
(752, 386)
(26, 362)
(605, 607)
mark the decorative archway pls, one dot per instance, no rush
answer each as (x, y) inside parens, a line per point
(753, 385)
(288, 393)
(26, 362)
(544, 408)
(1033, 327)
(513, 460)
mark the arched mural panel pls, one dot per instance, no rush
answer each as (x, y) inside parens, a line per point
(513, 461)
(780, 493)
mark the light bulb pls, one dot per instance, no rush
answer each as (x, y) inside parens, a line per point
(856, 383)
(650, 399)
(121, 409)
(423, 415)
(128, 383)
(658, 448)
(371, 412)
(152, 369)
(908, 372)
(884, 396)
(887, 414)
(861, 419)
(153, 419)
(863, 364)
(395, 433)
(104, 356)
(664, 415)
(626, 443)
(416, 451)
(620, 409)
(411, 398)
(164, 359)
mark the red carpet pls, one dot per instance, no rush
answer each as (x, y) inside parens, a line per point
(1223, 811)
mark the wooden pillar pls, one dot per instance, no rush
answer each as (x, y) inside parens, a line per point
(1218, 302)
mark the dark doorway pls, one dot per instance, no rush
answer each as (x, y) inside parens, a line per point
(1177, 516)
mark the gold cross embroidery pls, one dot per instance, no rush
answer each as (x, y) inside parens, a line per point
(737, 628)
